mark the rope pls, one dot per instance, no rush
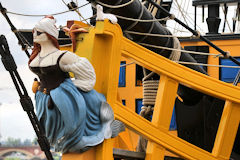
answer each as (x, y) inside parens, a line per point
(26, 102)
(149, 34)
(150, 88)
(190, 19)
(90, 17)
(41, 15)
(25, 42)
(115, 6)
(172, 49)
(175, 55)
(123, 65)
(136, 22)
(143, 20)
(208, 65)
(180, 9)
(225, 13)
(178, 29)
(75, 9)
(182, 62)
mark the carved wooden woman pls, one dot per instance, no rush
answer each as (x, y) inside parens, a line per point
(75, 117)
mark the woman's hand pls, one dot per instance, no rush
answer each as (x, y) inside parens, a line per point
(72, 31)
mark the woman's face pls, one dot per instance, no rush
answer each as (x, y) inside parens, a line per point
(39, 36)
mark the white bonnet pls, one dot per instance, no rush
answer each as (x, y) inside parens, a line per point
(47, 25)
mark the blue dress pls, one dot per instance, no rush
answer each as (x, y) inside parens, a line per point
(78, 119)
(75, 120)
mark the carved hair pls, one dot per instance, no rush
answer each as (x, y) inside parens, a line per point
(37, 47)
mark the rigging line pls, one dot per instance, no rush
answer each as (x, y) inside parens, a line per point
(115, 6)
(143, 20)
(208, 65)
(186, 12)
(123, 65)
(90, 17)
(236, 18)
(80, 15)
(75, 9)
(179, 29)
(25, 100)
(64, 2)
(225, 54)
(225, 13)
(14, 30)
(189, 18)
(180, 9)
(176, 24)
(187, 6)
(24, 39)
(181, 50)
(153, 35)
(41, 15)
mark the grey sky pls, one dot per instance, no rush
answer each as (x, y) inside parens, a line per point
(13, 121)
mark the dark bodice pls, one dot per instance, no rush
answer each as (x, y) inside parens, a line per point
(51, 76)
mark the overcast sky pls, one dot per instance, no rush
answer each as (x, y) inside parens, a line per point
(13, 120)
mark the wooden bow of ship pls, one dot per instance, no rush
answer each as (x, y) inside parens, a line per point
(104, 46)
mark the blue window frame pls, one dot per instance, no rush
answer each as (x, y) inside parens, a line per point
(173, 124)
(228, 74)
(122, 75)
(124, 102)
(138, 105)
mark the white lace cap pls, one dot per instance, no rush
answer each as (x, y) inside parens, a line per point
(48, 25)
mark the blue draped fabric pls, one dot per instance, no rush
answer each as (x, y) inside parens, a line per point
(74, 122)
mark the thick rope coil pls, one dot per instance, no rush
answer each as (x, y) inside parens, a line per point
(150, 88)
(146, 112)
(175, 55)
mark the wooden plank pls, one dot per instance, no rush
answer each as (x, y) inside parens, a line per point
(180, 73)
(120, 153)
(159, 135)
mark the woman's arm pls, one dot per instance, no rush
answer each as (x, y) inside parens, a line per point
(82, 69)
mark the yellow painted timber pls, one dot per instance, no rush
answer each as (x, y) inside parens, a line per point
(104, 151)
(232, 46)
(108, 45)
(227, 131)
(88, 155)
(106, 66)
(180, 73)
(101, 43)
(166, 95)
(159, 135)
